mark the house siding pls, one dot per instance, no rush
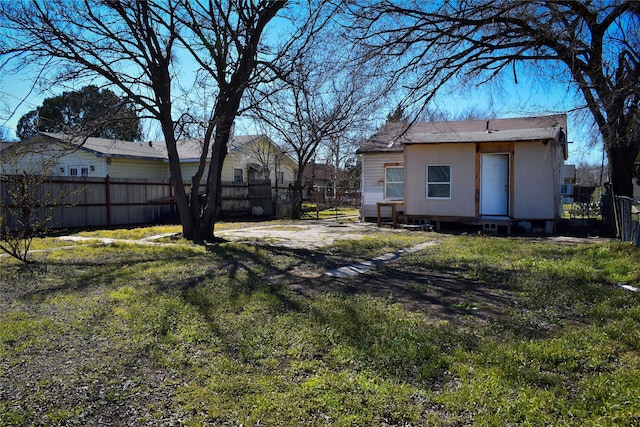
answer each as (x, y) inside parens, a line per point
(534, 171)
(188, 170)
(373, 180)
(536, 181)
(153, 170)
(236, 160)
(462, 158)
(53, 157)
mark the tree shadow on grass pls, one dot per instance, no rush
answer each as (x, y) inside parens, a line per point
(50, 277)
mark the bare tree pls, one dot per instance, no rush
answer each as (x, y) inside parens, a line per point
(138, 48)
(591, 174)
(319, 102)
(27, 199)
(341, 152)
(593, 46)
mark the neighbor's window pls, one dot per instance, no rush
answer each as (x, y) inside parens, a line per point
(394, 182)
(237, 175)
(77, 170)
(438, 181)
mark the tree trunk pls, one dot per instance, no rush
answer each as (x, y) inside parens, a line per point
(187, 220)
(212, 203)
(296, 195)
(622, 159)
(296, 202)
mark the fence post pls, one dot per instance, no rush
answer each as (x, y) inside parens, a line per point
(107, 182)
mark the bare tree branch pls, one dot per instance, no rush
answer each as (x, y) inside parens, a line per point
(595, 45)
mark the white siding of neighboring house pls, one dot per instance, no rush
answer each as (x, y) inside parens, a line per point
(188, 169)
(152, 170)
(373, 180)
(80, 159)
(236, 160)
(288, 169)
(240, 159)
(258, 152)
(536, 181)
(53, 157)
(462, 158)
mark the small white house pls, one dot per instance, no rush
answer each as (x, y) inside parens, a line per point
(493, 173)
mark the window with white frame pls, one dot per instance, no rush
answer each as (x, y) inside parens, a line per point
(78, 170)
(438, 181)
(238, 175)
(394, 182)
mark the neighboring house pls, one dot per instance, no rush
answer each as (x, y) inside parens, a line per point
(62, 155)
(321, 178)
(493, 173)
(249, 158)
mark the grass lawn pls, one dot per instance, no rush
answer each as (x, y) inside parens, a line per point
(481, 331)
(338, 212)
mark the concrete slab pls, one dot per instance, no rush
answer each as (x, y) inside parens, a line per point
(309, 235)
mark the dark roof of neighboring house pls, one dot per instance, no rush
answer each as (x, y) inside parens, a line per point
(187, 149)
(102, 147)
(392, 136)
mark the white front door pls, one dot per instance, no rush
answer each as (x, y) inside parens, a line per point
(494, 184)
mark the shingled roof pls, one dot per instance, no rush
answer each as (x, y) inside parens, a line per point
(392, 136)
(192, 148)
(103, 147)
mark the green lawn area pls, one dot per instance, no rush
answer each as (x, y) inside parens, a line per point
(311, 212)
(482, 331)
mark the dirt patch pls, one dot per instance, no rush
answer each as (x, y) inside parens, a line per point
(570, 240)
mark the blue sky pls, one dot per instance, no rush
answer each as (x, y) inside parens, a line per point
(532, 95)
(507, 100)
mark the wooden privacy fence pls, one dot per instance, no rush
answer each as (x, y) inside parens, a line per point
(78, 202)
(243, 198)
